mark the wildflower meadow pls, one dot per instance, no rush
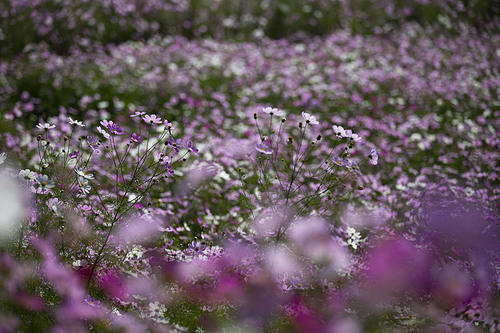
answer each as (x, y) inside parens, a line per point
(298, 166)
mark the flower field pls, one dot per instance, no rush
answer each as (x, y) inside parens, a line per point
(250, 166)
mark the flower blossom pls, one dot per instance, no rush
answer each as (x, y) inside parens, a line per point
(262, 148)
(76, 122)
(135, 137)
(373, 156)
(45, 126)
(152, 119)
(309, 119)
(272, 111)
(339, 131)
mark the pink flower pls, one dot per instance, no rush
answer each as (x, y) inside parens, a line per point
(152, 119)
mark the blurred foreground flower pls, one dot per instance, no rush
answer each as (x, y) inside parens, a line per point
(13, 200)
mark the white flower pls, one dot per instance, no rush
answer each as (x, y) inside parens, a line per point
(103, 132)
(339, 131)
(84, 185)
(83, 174)
(54, 203)
(272, 111)
(45, 126)
(352, 136)
(156, 309)
(76, 122)
(27, 175)
(309, 119)
(2, 158)
(45, 183)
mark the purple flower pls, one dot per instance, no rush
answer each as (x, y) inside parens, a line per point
(168, 125)
(339, 161)
(168, 169)
(93, 144)
(195, 247)
(105, 123)
(115, 129)
(373, 156)
(135, 138)
(352, 165)
(152, 119)
(192, 149)
(262, 148)
(74, 154)
(175, 143)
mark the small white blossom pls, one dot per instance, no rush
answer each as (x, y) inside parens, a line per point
(309, 119)
(272, 111)
(76, 122)
(45, 126)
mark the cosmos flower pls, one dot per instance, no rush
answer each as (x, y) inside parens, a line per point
(45, 183)
(339, 131)
(45, 126)
(373, 156)
(81, 173)
(262, 148)
(115, 129)
(137, 114)
(27, 175)
(135, 137)
(353, 137)
(74, 154)
(339, 161)
(152, 119)
(309, 119)
(272, 111)
(191, 148)
(76, 122)
(93, 144)
(175, 143)
(103, 132)
(84, 185)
